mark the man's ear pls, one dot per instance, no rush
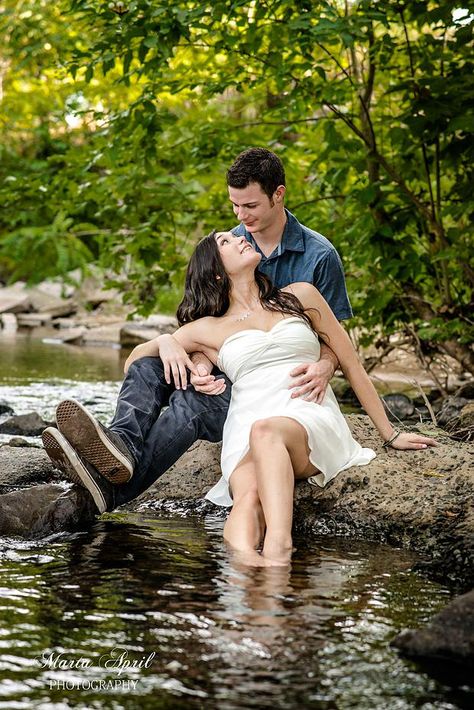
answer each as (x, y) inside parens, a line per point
(280, 193)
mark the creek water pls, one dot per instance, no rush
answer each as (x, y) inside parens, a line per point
(148, 610)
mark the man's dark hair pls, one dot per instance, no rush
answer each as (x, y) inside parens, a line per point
(257, 165)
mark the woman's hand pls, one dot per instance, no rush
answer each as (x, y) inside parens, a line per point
(175, 360)
(407, 440)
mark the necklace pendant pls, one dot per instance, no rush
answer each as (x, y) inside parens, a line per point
(246, 315)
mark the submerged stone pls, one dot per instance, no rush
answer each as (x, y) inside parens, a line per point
(448, 637)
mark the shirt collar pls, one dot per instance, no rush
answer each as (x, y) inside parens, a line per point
(292, 239)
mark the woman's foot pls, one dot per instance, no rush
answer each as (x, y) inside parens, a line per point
(277, 550)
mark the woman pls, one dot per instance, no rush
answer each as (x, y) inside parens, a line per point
(257, 335)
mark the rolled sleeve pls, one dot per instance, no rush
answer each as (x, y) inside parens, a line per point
(328, 277)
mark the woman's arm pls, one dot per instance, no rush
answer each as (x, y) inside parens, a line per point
(173, 351)
(331, 332)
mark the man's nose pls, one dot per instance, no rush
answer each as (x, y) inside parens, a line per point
(241, 212)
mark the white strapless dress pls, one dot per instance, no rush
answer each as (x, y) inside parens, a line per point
(259, 363)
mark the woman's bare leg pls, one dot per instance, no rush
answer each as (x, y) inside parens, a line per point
(245, 525)
(279, 449)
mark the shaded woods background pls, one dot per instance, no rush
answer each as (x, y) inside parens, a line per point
(118, 121)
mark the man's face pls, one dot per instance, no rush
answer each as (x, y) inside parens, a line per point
(254, 208)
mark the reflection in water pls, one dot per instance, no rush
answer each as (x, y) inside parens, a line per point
(209, 631)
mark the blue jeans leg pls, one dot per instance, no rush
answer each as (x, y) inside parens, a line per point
(189, 417)
(143, 394)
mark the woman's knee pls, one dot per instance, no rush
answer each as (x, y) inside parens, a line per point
(261, 431)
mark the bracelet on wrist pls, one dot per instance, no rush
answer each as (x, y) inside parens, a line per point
(390, 441)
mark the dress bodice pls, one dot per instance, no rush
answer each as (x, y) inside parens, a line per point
(290, 342)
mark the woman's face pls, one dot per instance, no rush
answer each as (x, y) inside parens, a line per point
(236, 253)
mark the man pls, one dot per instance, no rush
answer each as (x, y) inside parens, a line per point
(142, 442)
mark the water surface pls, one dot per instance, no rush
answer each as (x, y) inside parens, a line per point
(211, 634)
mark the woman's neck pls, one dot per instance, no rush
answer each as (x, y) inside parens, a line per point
(244, 296)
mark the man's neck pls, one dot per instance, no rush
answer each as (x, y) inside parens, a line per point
(268, 239)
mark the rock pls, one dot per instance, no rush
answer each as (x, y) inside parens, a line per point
(24, 424)
(68, 335)
(398, 406)
(96, 297)
(104, 334)
(133, 334)
(450, 408)
(18, 441)
(448, 637)
(42, 302)
(45, 509)
(14, 299)
(33, 320)
(466, 390)
(461, 427)
(21, 466)
(65, 323)
(5, 408)
(57, 287)
(8, 322)
(165, 324)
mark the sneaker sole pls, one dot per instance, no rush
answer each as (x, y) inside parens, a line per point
(66, 460)
(83, 432)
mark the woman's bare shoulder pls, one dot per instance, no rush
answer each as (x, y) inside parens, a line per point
(304, 291)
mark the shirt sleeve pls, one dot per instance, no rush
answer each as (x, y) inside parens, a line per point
(328, 277)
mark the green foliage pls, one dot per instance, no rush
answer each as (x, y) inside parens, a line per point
(124, 116)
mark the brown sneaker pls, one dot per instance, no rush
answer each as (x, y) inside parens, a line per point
(101, 447)
(67, 460)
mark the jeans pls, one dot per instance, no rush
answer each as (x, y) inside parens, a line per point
(157, 439)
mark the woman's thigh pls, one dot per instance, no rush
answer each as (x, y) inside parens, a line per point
(295, 438)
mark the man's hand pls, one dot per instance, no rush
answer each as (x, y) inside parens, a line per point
(207, 383)
(311, 380)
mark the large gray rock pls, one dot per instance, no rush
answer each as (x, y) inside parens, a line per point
(30, 424)
(448, 637)
(14, 299)
(20, 466)
(45, 509)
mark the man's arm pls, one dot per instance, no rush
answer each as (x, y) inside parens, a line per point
(312, 379)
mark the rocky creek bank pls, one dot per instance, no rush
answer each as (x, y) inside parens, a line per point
(419, 500)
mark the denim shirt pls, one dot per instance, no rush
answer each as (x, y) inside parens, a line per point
(304, 255)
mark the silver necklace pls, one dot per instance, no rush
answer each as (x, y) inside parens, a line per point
(246, 315)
